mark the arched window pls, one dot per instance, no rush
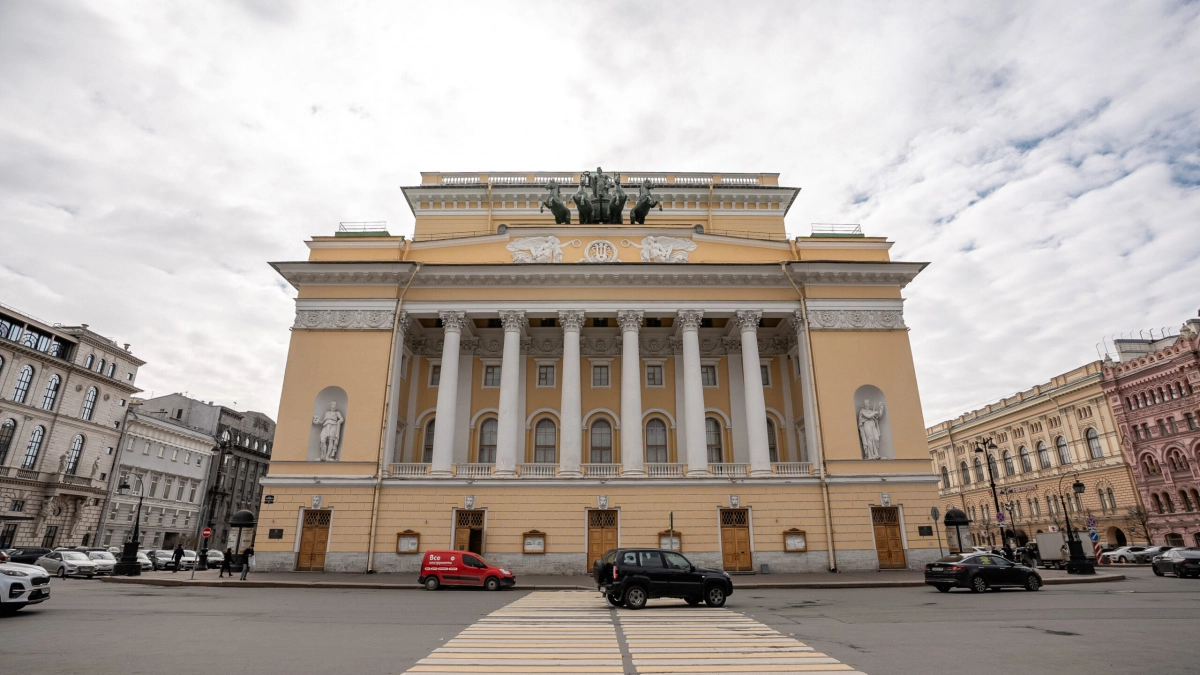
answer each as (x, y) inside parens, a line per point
(1043, 455)
(87, 363)
(544, 442)
(22, 388)
(1112, 501)
(978, 470)
(964, 473)
(945, 477)
(712, 434)
(1009, 469)
(1196, 498)
(1093, 441)
(1179, 390)
(89, 404)
(601, 442)
(772, 442)
(51, 393)
(100, 368)
(1158, 507)
(112, 369)
(1168, 503)
(1144, 404)
(34, 447)
(73, 458)
(1185, 501)
(487, 440)
(427, 441)
(1064, 455)
(1026, 463)
(6, 435)
(656, 441)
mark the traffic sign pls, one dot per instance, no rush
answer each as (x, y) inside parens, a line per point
(206, 532)
(1091, 522)
(1000, 517)
(934, 513)
(1053, 528)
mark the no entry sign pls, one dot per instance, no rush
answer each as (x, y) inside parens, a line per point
(206, 532)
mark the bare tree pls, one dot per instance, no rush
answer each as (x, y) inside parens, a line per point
(1137, 521)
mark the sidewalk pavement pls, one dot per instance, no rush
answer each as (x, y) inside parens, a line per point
(881, 579)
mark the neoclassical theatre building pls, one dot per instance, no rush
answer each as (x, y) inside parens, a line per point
(559, 363)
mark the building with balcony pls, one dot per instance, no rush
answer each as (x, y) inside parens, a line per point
(1152, 389)
(64, 392)
(1045, 438)
(540, 387)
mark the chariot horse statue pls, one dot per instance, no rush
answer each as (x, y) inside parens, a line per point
(645, 202)
(584, 204)
(554, 202)
(616, 203)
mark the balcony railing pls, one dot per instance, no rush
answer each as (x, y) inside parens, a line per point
(792, 468)
(601, 470)
(538, 470)
(474, 470)
(75, 480)
(28, 474)
(662, 470)
(4, 470)
(409, 470)
(727, 470)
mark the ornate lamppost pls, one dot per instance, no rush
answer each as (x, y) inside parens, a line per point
(129, 565)
(981, 448)
(1078, 563)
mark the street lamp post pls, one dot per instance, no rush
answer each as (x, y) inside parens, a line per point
(1078, 563)
(981, 448)
(129, 565)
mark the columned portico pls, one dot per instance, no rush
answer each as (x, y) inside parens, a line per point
(756, 406)
(693, 397)
(632, 464)
(571, 409)
(509, 428)
(447, 398)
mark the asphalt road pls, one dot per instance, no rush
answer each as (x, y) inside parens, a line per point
(1143, 624)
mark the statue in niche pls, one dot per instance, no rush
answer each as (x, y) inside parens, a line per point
(554, 202)
(95, 468)
(583, 202)
(645, 202)
(663, 249)
(616, 203)
(62, 463)
(536, 250)
(331, 433)
(869, 434)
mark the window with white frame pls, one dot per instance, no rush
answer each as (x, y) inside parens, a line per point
(600, 375)
(708, 375)
(545, 375)
(491, 375)
(764, 370)
(656, 441)
(435, 374)
(654, 375)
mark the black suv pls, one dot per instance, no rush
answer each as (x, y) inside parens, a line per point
(629, 577)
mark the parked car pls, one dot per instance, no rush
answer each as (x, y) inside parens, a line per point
(1150, 553)
(462, 568)
(22, 585)
(215, 558)
(1124, 554)
(105, 561)
(161, 560)
(1182, 562)
(979, 572)
(188, 561)
(4, 556)
(27, 556)
(144, 560)
(630, 577)
(68, 564)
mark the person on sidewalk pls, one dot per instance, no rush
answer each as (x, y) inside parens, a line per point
(248, 561)
(177, 556)
(226, 564)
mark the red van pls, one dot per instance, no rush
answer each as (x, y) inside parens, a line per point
(462, 568)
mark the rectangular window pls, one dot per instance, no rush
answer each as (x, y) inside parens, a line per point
(545, 375)
(491, 376)
(129, 518)
(179, 491)
(153, 487)
(50, 537)
(1171, 423)
(192, 494)
(108, 537)
(600, 375)
(167, 491)
(765, 372)
(435, 374)
(708, 375)
(8, 535)
(654, 375)
(1191, 420)
(18, 505)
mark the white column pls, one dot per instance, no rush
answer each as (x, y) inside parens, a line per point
(571, 409)
(693, 397)
(632, 455)
(393, 408)
(808, 395)
(509, 427)
(756, 404)
(447, 399)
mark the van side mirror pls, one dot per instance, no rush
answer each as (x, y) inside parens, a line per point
(691, 568)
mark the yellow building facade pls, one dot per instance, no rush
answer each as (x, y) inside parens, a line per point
(539, 391)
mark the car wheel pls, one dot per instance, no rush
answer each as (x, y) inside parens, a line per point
(62, 573)
(1156, 572)
(978, 585)
(614, 599)
(492, 584)
(1032, 583)
(943, 588)
(635, 597)
(432, 584)
(693, 601)
(1122, 560)
(714, 596)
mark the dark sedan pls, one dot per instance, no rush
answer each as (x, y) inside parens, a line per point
(979, 572)
(26, 556)
(1182, 562)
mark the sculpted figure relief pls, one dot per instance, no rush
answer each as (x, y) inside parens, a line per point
(331, 433)
(869, 433)
(554, 202)
(536, 250)
(664, 249)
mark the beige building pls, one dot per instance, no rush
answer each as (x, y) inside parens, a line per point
(1045, 437)
(540, 391)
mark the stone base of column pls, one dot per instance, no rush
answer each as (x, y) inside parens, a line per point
(505, 473)
(698, 473)
(759, 473)
(569, 474)
(444, 473)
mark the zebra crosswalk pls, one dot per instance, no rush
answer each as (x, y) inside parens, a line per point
(577, 632)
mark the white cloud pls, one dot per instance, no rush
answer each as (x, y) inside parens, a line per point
(1044, 157)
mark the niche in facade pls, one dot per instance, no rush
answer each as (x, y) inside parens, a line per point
(328, 425)
(874, 423)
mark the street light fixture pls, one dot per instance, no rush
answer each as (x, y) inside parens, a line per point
(129, 565)
(981, 448)
(1078, 562)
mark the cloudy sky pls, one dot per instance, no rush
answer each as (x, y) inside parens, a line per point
(1044, 157)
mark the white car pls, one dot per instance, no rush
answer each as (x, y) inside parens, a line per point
(105, 561)
(22, 585)
(68, 564)
(1125, 554)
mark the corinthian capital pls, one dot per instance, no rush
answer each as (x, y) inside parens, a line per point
(513, 320)
(571, 319)
(630, 319)
(453, 322)
(689, 319)
(747, 320)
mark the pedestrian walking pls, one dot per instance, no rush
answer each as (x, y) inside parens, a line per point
(226, 564)
(177, 556)
(248, 562)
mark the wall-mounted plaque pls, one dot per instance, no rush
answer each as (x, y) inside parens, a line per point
(533, 541)
(795, 541)
(275, 533)
(408, 542)
(670, 540)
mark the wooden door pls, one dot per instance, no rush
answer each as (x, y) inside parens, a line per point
(888, 543)
(602, 534)
(468, 531)
(314, 540)
(735, 540)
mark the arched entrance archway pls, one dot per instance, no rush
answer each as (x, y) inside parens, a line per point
(1022, 538)
(1116, 537)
